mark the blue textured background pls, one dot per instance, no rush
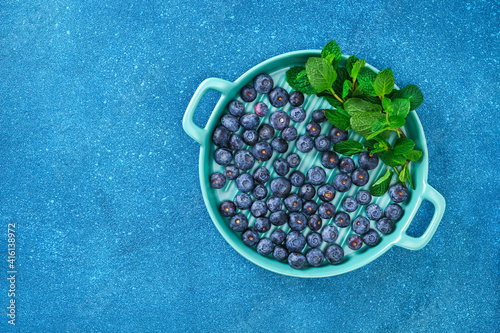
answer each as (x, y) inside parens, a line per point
(96, 171)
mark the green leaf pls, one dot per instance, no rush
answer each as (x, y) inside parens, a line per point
(332, 53)
(413, 155)
(358, 91)
(378, 125)
(361, 122)
(408, 176)
(342, 111)
(346, 88)
(411, 92)
(366, 79)
(370, 144)
(387, 104)
(400, 107)
(357, 105)
(382, 184)
(402, 175)
(390, 159)
(338, 119)
(342, 75)
(297, 79)
(320, 73)
(384, 82)
(403, 145)
(331, 100)
(356, 68)
(350, 62)
(396, 122)
(349, 147)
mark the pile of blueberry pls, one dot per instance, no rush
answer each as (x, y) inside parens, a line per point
(301, 201)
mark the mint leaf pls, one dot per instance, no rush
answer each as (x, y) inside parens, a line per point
(332, 100)
(350, 61)
(346, 88)
(320, 73)
(361, 122)
(384, 82)
(366, 79)
(400, 107)
(402, 175)
(378, 125)
(338, 119)
(297, 79)
(396, 122)
(387, 104)
(390, 159)
(342, 75)
(357, 105)
(356, 68)
(370, 144)
(342, 111)
(332, 53)
(349, 147)
(403, 145)
(413, 155)
(411, 92)
(382, 184)
(358, 91)
(408, 176)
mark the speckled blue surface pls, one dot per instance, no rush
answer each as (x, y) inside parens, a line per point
(102, 181)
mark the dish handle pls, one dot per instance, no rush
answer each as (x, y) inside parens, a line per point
(417, 243)
(193, 130)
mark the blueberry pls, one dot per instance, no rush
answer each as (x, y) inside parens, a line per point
(296, 260)
(243, 160)
(265, 247)
(217, 180)
(227, 208)
(278, 218)
(371, 238)
(289, 134)
(342, 182)
(360, 177)
(221, 136)
(235, 142)
(248, 94)
(231, 172)
(326, 192)
(296, 98)
(274, 204)
(236, 108)
(297, 221)
(298, 115)
(250, 237)
(334, 254)
(278, 97)
(314, 239)
(310, 207)
(318, 116)
(243, 201)
(262, 151)
(307, 191)
(354, 242)
(360, 225)
(297, 178)
(346, 165)
(315, 257)
(258, 208)
(316, 175)
(261, 109)
(329, 234)
(279, 145)
(262, 224)
(259, 192)
(363, 197)
(266, 132)
(322, 143)
(250, 137)
(263, 83)
(313, 129)
(374, 212)
(278, 236)
(279, 120)
(326, 210)
(314, 222)
(223, 156)
(280, 253)
(293, 203)
(293, 160)
(238, 222)
(385, 225)
(329, 159)
(295, 241)
(249, 121)
(398, 193)
(244, 183)
(342, 220)
(350, 204)
(230, 122)
(367, 160)
(337, 135)
(393, 212)
(281, 167)
(281, 187)
(304, 143)
(261, 175)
